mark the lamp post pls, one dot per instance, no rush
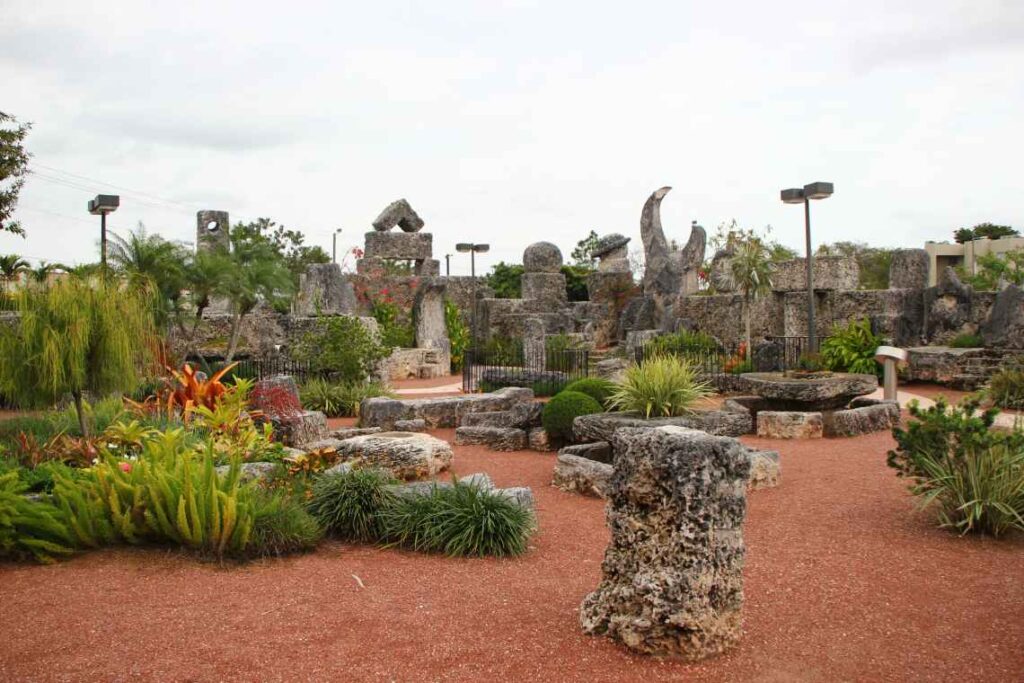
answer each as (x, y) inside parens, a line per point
(334, 245)
(804, 196)
(447, 265)
(473, 250)
(101, 206)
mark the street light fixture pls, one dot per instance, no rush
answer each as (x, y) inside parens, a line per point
(804, 195)
(334, 245)
(473, 250)
(101, 206)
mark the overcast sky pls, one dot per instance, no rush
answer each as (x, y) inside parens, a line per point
(512, 122)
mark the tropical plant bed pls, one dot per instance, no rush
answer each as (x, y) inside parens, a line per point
(839, 595)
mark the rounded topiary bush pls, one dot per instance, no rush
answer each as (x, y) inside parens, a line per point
(597, 388)
(563, 408)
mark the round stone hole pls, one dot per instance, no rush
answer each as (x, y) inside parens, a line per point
(212, 227)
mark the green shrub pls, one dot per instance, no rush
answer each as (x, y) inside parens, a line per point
(852, 349)
(1006, 387)
(682, 342)
(967, 341)
(597, 388)
(394, 331)
(563, 408)
(660, 386)
(955, 459)
(460, 520)
(811, 362)
(348, 505)
(280, 526)
(342, 347)
(29, 529)
(339, 400)
(742, 367)
(501, 350)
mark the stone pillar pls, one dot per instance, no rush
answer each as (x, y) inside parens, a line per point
(909, 269)
(212, 230)
(428, 312)
(542, 279)
(672, 574)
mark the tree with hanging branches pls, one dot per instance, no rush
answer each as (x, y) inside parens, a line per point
(75, 337)
(751, 267)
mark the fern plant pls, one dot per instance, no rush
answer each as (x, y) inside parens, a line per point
(852, 349)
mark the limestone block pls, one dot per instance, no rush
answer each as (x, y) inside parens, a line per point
(765, 469)
(400, 213)
(830, 273)
(495, 438)
(908, 269)
(542, 257)
(774, 424)
(581, 475)
(672, 576)
(324, 290)
(880, 417)
(404, 454)
(538, 440)
(599, 451)
(413, 246)
(545, 287)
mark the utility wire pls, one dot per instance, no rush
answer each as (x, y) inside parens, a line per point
(119, 187)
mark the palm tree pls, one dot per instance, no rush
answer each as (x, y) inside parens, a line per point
(751, 268)
(257, 273)
(152, 261)
(11, 265)
(206, 277)
(41, 273)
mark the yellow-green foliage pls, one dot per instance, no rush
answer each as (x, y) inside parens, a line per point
(661, 386)
(29, 529)
(169, 494)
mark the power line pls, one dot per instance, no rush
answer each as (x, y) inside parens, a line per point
(74, 185)
(119, 187)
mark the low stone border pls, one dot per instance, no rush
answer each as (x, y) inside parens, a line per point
(575, 474)
(438, 412)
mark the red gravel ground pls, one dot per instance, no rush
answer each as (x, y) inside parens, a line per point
(843, 582)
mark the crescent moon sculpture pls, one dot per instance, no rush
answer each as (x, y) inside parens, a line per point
(668, 272)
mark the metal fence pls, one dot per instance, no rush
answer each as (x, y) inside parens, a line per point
(490, 369)
(260, 368)
(772, 354)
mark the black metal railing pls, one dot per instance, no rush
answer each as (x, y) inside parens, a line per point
(546, 373)
(260, 368)
(771, 354)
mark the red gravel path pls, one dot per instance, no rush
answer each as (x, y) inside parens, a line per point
(843, 582)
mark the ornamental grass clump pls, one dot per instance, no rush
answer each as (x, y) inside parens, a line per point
(661, 386)
(1006, 387)
(348, 505)
(339, 399)
(461, 520)
(281, 525)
